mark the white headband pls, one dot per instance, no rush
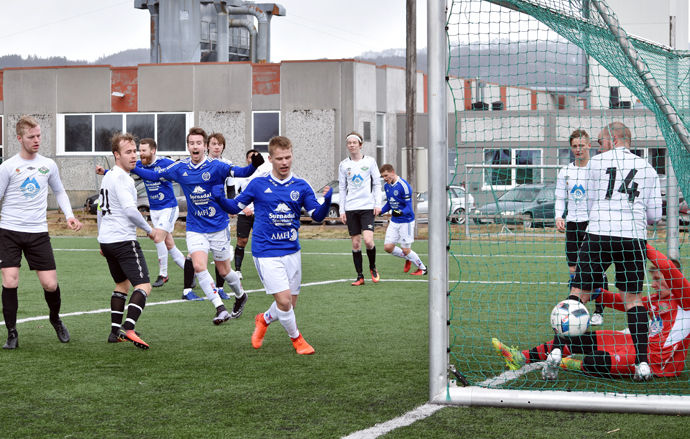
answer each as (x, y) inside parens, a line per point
(359, 139)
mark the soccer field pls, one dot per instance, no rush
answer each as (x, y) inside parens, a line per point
(199, 380)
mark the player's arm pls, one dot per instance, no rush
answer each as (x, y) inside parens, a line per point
(167, 173)
(680, 286)
(342, 193)
(62, 198)
(386, 207)
(4, 180)
(232, 206)
(318, 211)
(561, 196)
(406, 200)
(653, 201)
(376, 188)
(246, 171)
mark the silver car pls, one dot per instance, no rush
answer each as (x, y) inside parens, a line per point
(459, 202)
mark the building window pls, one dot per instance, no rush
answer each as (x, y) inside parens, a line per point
(91, 133)
(512, 167)
(265, 124)
(565, 156)
(366, 134)
(380, 138)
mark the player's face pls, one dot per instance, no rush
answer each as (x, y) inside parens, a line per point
(580, 148)
(146, 154)
(215, 149)
(353, 146)
(659, 284)
(388, 177)
(127, 157)
(281, 159)
(196, 147)
(30, 140)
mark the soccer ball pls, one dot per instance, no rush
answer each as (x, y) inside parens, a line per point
(570, 317)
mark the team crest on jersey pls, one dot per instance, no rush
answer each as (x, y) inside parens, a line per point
(395, 192)
(578, 192)
(294, 195)
(357, 180)
(17, 170)
(365, 168)
(30, 187)
(206, 176)
(43, 170)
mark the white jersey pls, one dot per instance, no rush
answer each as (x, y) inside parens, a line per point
(24, 188)
(117, 193)
(571, 187)
(359, 183)
(623, 194)
(241, 183)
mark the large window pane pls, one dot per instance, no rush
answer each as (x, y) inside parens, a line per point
(380, 129)
(141, 125)
(565, 156)
(266, 125)
(78, 133)
(172, 132)
(527, 175)
(657, 158)
(497, 177)
(106, 126)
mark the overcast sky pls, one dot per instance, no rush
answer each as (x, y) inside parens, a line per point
(86, 30)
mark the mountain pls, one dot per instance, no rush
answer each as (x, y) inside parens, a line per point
(129, 57)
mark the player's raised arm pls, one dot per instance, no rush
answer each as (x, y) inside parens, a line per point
(237, 171)
(318, 211)
(150, 174)
(231, 206)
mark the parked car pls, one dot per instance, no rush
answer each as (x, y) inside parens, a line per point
(532, 205)
(334, 211)
(91, 203)
(456, 205)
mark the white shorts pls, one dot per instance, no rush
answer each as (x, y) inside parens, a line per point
(165, 218)
(217, 242)
(402, 233)
(280, 273)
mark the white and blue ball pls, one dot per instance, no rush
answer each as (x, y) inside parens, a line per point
(570, 317)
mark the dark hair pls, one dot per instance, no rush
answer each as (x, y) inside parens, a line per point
(578, 134)
(197, 131)
(387, 168)
(149, 141)
(219, 137)
(120, 137)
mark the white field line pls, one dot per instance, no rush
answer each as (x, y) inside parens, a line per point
(421, 412)
(510, 375)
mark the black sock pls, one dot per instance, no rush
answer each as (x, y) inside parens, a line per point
(371, 254)
(188, 273)
(54, 301)
(638, 325)
(137, 301)
(357, 258)
(220, 280)
(117, 310)
(598, 305)
(9, 307)
(239, 255)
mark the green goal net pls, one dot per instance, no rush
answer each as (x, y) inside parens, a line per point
(523, 76)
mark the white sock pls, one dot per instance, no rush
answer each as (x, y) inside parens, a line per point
(414, 258)
(287, 319)
(271, 314)
(397, 251)
(162, 251)
(206, 284)
(177, 256)
(234, 281)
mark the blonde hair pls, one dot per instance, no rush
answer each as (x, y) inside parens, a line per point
(25, 123)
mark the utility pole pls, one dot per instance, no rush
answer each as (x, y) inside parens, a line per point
(410, 96)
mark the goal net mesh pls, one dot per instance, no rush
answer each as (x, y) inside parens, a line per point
(523, 76)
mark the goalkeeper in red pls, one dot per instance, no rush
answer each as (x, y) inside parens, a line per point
(401, 228)
(278, 199)
(612, 353)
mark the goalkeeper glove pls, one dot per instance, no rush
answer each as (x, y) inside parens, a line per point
(396, 212)
(257, 160)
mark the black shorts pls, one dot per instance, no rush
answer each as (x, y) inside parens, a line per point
(244, 225)
(359, 221)
(597, 253)
(575, 235)
(126, 262)
(35, 246)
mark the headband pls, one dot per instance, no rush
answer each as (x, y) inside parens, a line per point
(359, 139)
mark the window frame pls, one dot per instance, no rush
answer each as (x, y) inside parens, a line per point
(513, 167)
(380, 147)
(264, 144)
(60, 144)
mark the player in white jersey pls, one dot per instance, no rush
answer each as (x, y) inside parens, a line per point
(24, 182)
(623, 196)
(360, 194)
(118, 219)
(570, 193)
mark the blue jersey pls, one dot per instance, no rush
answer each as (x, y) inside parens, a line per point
(399, 201)
(277, 208)
(160, 192)
(204, 215)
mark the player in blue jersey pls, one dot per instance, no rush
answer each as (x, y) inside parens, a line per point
(207, 224)
(401, 228)
(163, 207)
(278, 199)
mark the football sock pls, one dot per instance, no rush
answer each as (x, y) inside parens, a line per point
(287, 319)
(9, 307)
(234, 282)
(206, 284)
(220, 280)
(598, 363)
(271, 315)
(162, 251)
(137, 301)
(371, 255)
(177, 256)
(239, 255)
(414, 258)
(357, 258)
(539, 353)
(188, 273)
(638, 325)
(117, 310)
(54, 301)
(397, 252)
(598, 304)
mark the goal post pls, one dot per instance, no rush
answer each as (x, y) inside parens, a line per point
(508, 82)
